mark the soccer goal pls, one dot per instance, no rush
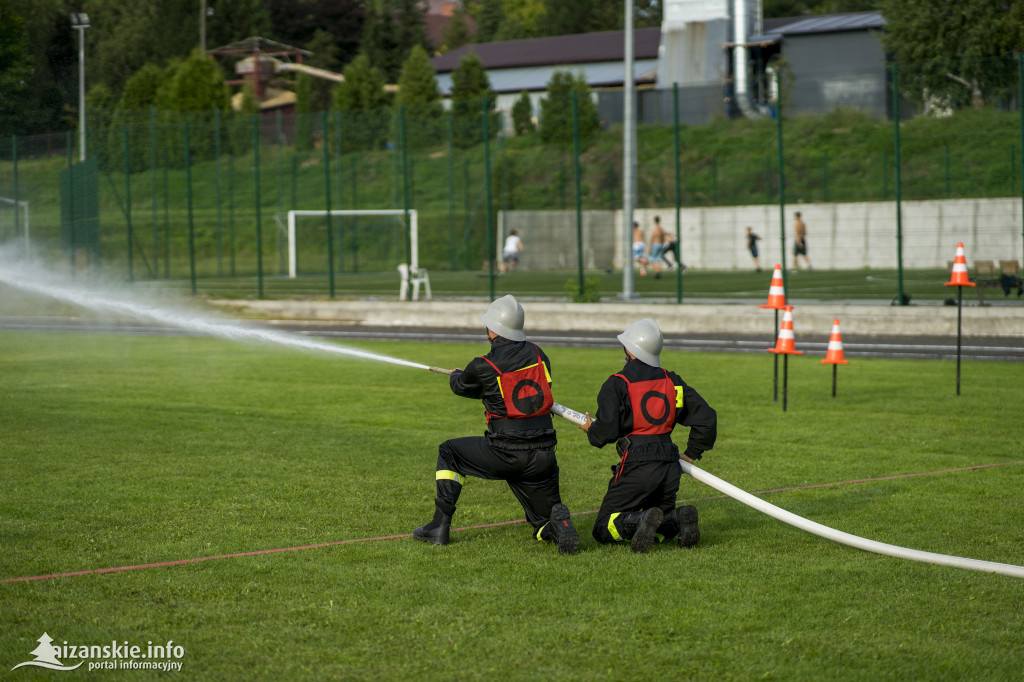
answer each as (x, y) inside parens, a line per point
(397, 215)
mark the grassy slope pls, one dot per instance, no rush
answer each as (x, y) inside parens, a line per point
(123, 450)
(725, 163)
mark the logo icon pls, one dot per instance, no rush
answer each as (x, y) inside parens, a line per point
(46, 656)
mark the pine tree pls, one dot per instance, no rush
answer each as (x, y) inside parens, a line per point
(556, 110)
(470, 87)
(363, 105)
(522, 114)
(420, 100)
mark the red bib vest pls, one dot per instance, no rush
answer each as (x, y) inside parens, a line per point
(526, 391)
(654, 405)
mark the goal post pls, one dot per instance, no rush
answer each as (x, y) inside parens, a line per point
(413, 230)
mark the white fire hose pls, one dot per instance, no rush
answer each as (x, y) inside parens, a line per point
(817, 528)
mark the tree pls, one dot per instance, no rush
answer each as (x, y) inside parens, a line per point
(470, 90)
(296, 22)
(363, 105)
(303, 112)
(391, 32)
(954, 52)
(489, 17)
(556, 110)
(418, 94)
(232, 20)
(16, 70)
(522, 114)
(456, 33)
(132, 111)
(325, 56)
(194, 89)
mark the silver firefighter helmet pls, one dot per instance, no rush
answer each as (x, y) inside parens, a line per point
(505, 318)
(644, 340)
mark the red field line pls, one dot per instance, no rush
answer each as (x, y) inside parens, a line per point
(180, 562)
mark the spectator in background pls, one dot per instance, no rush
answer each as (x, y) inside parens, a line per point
(510, 254)
(639, 248)
(657, 247)
(752, 240)
(800, 245)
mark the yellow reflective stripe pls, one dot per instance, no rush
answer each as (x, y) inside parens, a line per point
(445, 475)
(679, 396)
(612, 529)
(547, 373)
(541, 530)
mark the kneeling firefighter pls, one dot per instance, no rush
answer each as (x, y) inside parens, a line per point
(638, 407)
(514, 382)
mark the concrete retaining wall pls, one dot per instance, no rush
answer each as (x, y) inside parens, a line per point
(688, 319)
(839, 236)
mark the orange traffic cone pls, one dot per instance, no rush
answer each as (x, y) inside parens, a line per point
(834, 354)
(786, 344)
(776, 291)
(958, 278)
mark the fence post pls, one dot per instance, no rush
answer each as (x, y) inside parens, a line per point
(327, 199)
(231, 211)
(824, 175)
(579, 198)
(69, 143)
(282, 266)
(153, 188)
(1020, 116)
(220, 213)
(405, 196)
(127, 200)
(256, 203)
(451, 195)
(947, 171)
(17, 198)
(487, 198)
(167, 219)
(188, 199)
(679, 193)
(899, 207)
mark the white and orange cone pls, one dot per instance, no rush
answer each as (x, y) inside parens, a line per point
(834, 354)
(958, 278)
(776, 291)
(786, 343)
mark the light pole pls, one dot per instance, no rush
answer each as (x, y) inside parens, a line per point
(80, 22)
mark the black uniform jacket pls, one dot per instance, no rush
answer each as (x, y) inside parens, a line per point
(614, 417)
(479, 381)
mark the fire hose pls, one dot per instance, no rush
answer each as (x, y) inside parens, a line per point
(812, 526)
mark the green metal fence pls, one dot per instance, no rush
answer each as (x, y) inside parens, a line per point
(201, 200)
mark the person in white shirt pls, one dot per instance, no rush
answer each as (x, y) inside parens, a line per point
(510, 254)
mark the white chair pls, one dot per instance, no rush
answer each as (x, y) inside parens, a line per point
(415, 277)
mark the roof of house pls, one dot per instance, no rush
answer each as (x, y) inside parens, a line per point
(825, 23)
(583, 48)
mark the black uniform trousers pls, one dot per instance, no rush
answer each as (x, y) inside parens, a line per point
(532, 474)
(641, 485)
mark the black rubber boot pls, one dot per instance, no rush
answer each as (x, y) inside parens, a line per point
(565, 533)
(689, 532)
(639, 528)
(435, 532)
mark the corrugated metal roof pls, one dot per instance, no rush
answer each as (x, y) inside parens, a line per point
(606, 46)
(826, 23)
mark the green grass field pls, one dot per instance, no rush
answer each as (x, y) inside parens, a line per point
(124, 450)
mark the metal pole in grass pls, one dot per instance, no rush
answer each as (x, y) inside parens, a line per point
(579, 199)
(327, 201)
(902, 298)
(1020, 117)
(405, 192)
(628, 157)
(188, 201)
(679, 193)
(127, 201)
(256, 203)
(487, 199)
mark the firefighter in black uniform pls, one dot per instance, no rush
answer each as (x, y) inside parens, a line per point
(514, 383)
(638, 408)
